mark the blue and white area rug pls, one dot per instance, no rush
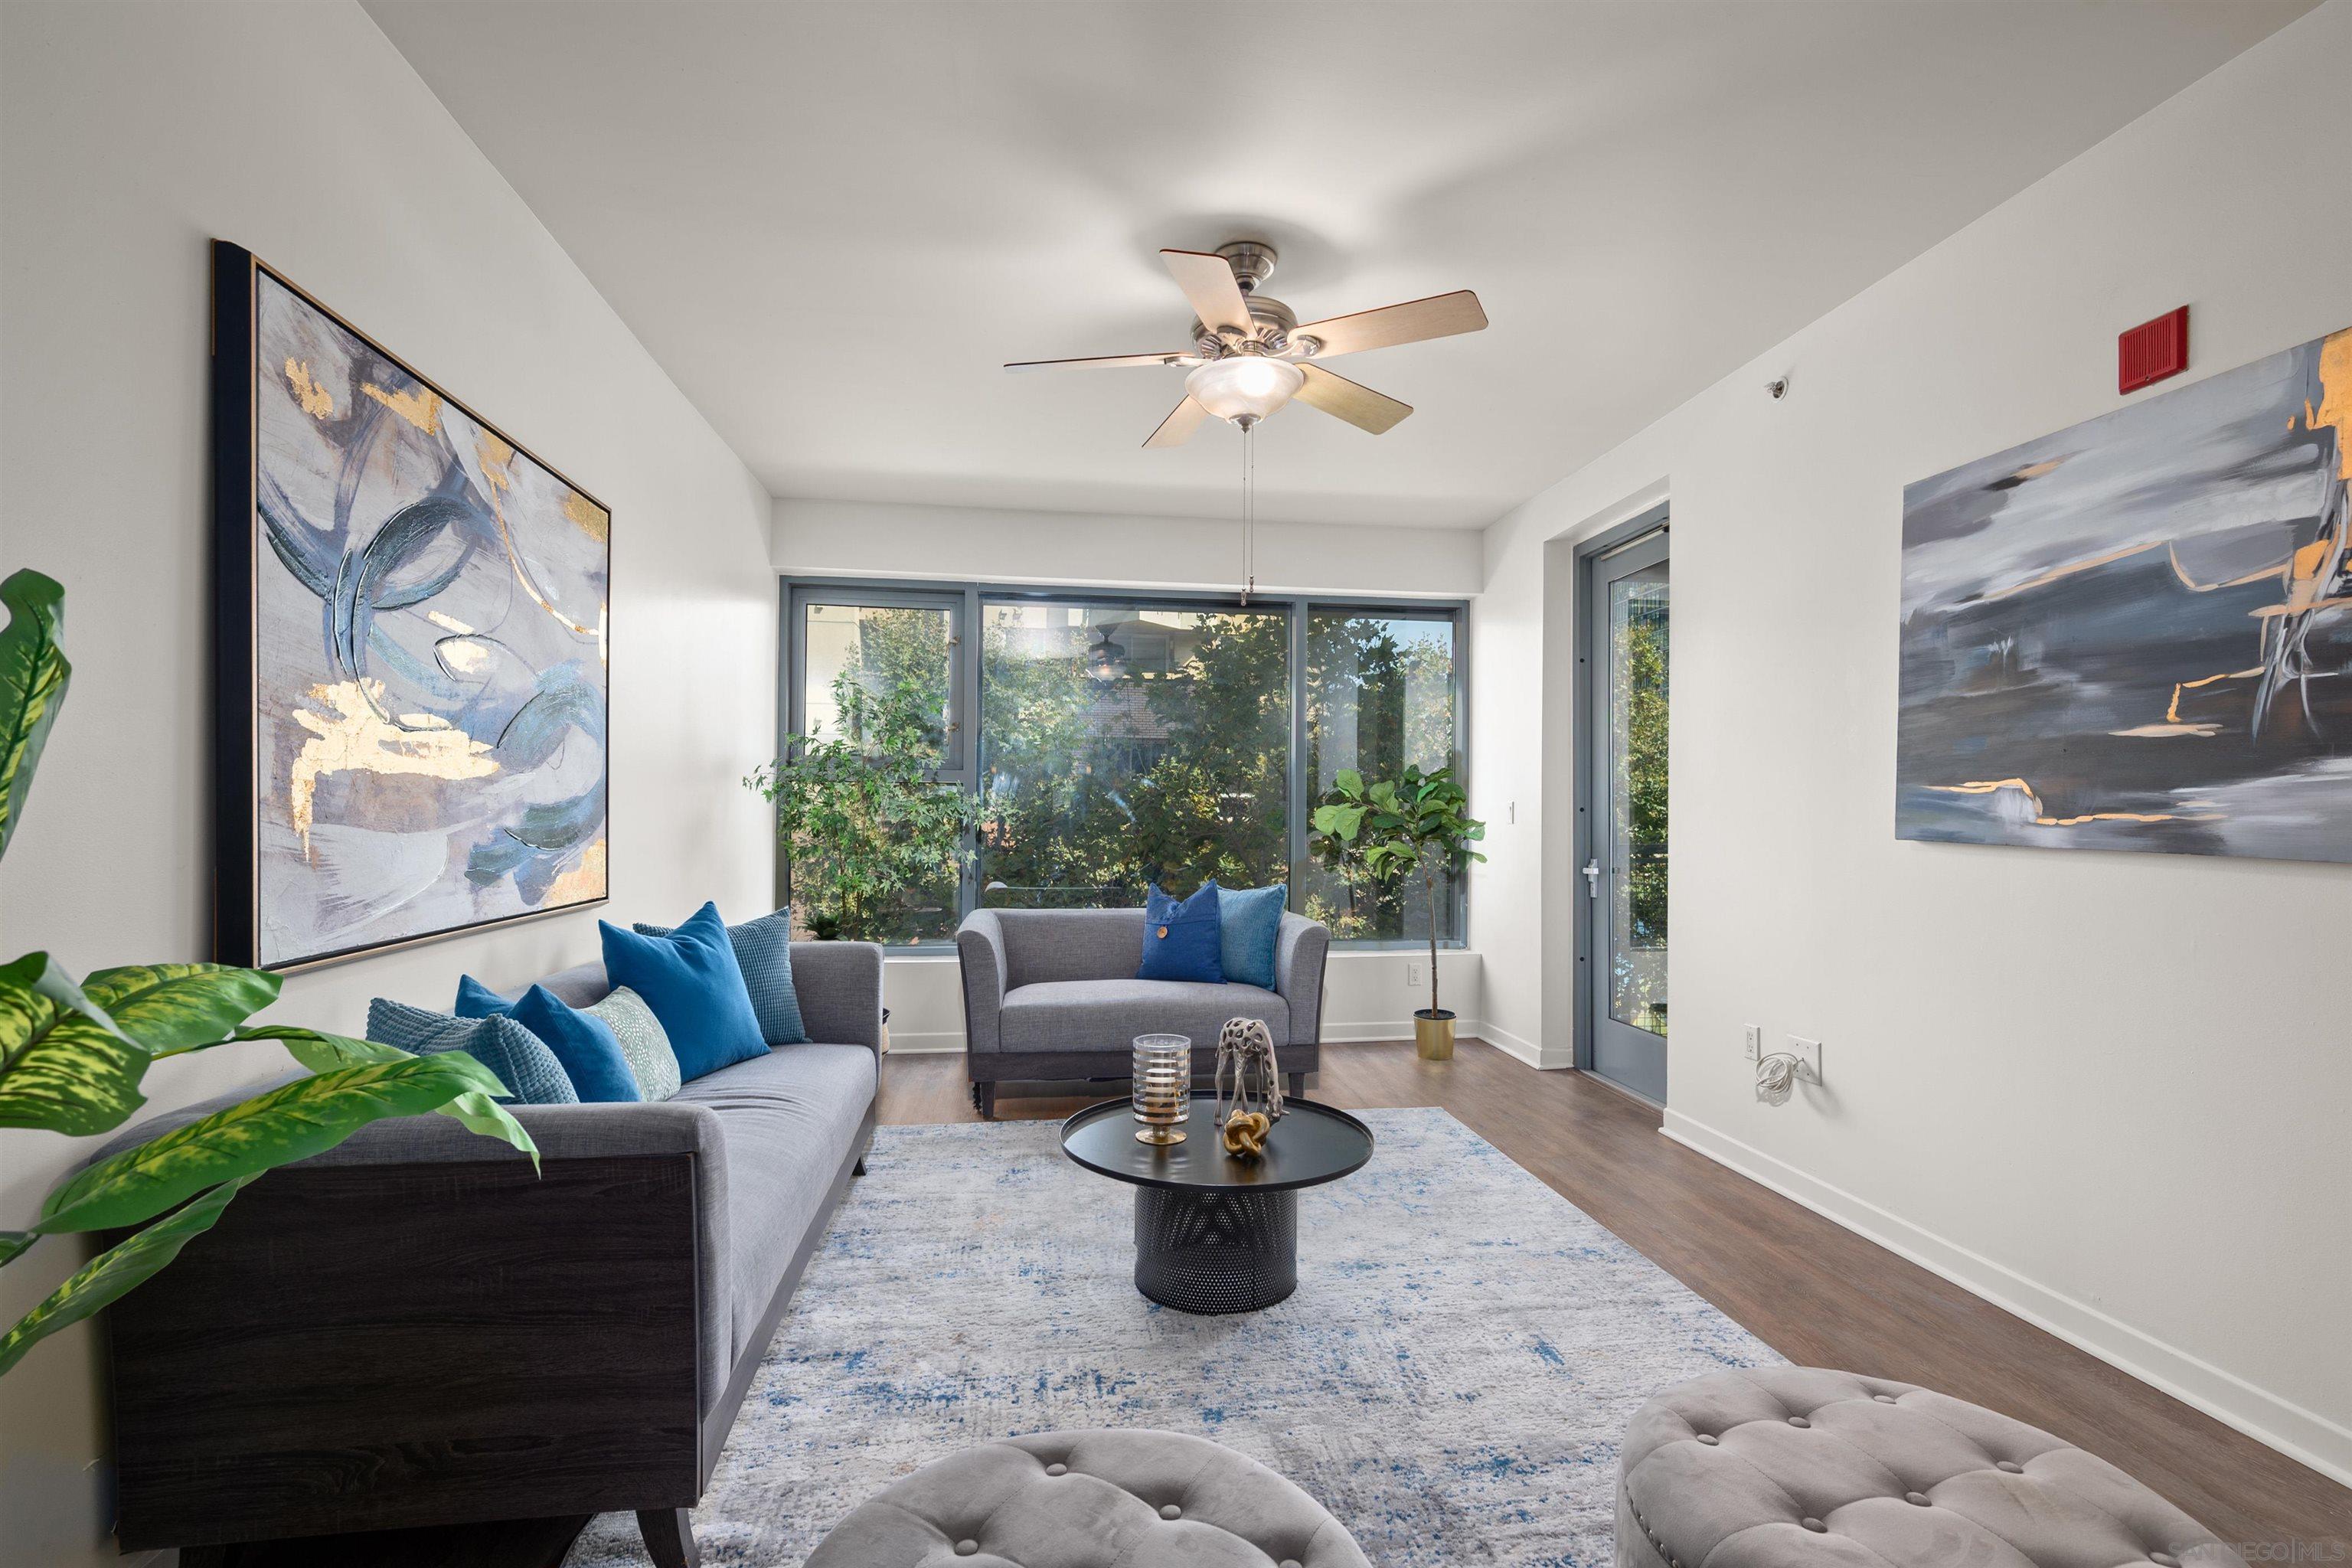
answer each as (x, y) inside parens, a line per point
(1450, 1379)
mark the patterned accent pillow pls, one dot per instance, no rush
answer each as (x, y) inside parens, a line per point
(520, 1058)
(764, 951)
(643, 1042)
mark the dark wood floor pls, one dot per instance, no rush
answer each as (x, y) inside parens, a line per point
(1817, 1293)
(1814, 1291)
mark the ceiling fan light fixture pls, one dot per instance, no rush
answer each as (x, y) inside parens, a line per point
(1245, 388)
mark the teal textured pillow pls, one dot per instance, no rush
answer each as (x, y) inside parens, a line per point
(691, 980)
(581, 1042)
(642, 1041)
(764, 951)
(520, 1058)
(1248, 921)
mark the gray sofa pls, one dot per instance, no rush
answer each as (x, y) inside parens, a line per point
(1050, 995)
(412, 1329)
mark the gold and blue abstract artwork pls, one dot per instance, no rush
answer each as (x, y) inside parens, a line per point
(415, 742)
(2136, 634)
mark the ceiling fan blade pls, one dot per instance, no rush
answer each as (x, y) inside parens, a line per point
(1439, 316)
(1207, 280)
(1178, 427)
(1104, 362)
(1343, 399)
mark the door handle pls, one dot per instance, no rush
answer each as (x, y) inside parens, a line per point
(1592, 879)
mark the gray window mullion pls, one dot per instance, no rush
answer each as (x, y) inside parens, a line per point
(1298, 766)
(966, 685)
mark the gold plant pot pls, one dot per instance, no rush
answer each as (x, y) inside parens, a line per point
(1433, 1036)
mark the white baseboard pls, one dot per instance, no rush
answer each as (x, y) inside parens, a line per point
(2303, 1435)
(948, 1043)
(1550, 1058)
(1383, 1029)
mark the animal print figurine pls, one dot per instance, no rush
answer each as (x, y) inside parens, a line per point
(1249, 1087)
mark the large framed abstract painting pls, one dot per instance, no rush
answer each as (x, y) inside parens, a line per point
(2136, 634)
(410, 648)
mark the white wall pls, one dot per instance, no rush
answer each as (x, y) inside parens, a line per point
(134, 134)
(864, 539)
(2111, 1091)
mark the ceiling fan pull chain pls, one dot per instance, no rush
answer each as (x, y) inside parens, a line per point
(1249, 514)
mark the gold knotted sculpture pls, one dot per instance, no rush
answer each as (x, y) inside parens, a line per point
(1244, 1135)
(1249, 1087)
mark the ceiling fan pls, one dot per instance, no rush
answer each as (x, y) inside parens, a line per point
(1250, 355)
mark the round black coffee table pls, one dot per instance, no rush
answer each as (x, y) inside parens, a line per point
(1215, 1233)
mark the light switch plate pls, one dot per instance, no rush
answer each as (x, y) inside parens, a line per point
(1810, 1053)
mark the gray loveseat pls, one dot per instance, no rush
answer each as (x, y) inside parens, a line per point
(1051, 995)
(412, 1329)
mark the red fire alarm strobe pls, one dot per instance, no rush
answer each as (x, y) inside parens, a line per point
(2152, 350)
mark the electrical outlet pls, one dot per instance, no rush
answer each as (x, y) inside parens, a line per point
(1411, 972)
(1809, 1052)
(1755, 1041)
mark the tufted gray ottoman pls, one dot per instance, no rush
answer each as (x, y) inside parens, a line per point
(1090, 1499)
(1797, 1466)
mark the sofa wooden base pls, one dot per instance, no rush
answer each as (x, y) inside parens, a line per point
(360, 1348)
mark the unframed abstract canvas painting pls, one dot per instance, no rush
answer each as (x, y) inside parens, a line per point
(428, 655)
(2136, 634)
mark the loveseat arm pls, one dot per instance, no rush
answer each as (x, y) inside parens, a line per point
(1300, 947)
(839, 984)
(980, 954)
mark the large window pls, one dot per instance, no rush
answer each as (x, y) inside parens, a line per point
(862, 663)
(1380, 695)
(1126, 744)
(1109, 742)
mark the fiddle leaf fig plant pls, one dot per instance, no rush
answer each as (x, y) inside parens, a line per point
(73, 1053)
(1385, 832)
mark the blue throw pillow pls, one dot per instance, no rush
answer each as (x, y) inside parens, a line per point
(764, 951)
(691, 980)
(476, 1000)
(585, 1043)
(1248, 919)
(1181, 939)
(522, 1061)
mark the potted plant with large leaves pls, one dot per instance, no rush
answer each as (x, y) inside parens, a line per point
(73, 1053)
(1385, 833)
(864, 822)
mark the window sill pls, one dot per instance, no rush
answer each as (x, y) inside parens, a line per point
(920, 957)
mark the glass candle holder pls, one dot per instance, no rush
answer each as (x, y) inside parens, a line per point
(1163, 1086)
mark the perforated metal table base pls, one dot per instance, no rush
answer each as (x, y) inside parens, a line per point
(1216, 1251)
(1216, 1232)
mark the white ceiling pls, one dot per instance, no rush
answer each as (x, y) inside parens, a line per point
(832, 223)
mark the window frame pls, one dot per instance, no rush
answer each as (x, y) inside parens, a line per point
(965, 602)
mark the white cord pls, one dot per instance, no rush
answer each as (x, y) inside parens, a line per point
(1777, 1075)
(1249, 514)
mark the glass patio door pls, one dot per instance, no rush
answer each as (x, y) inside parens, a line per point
(1626, 626)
